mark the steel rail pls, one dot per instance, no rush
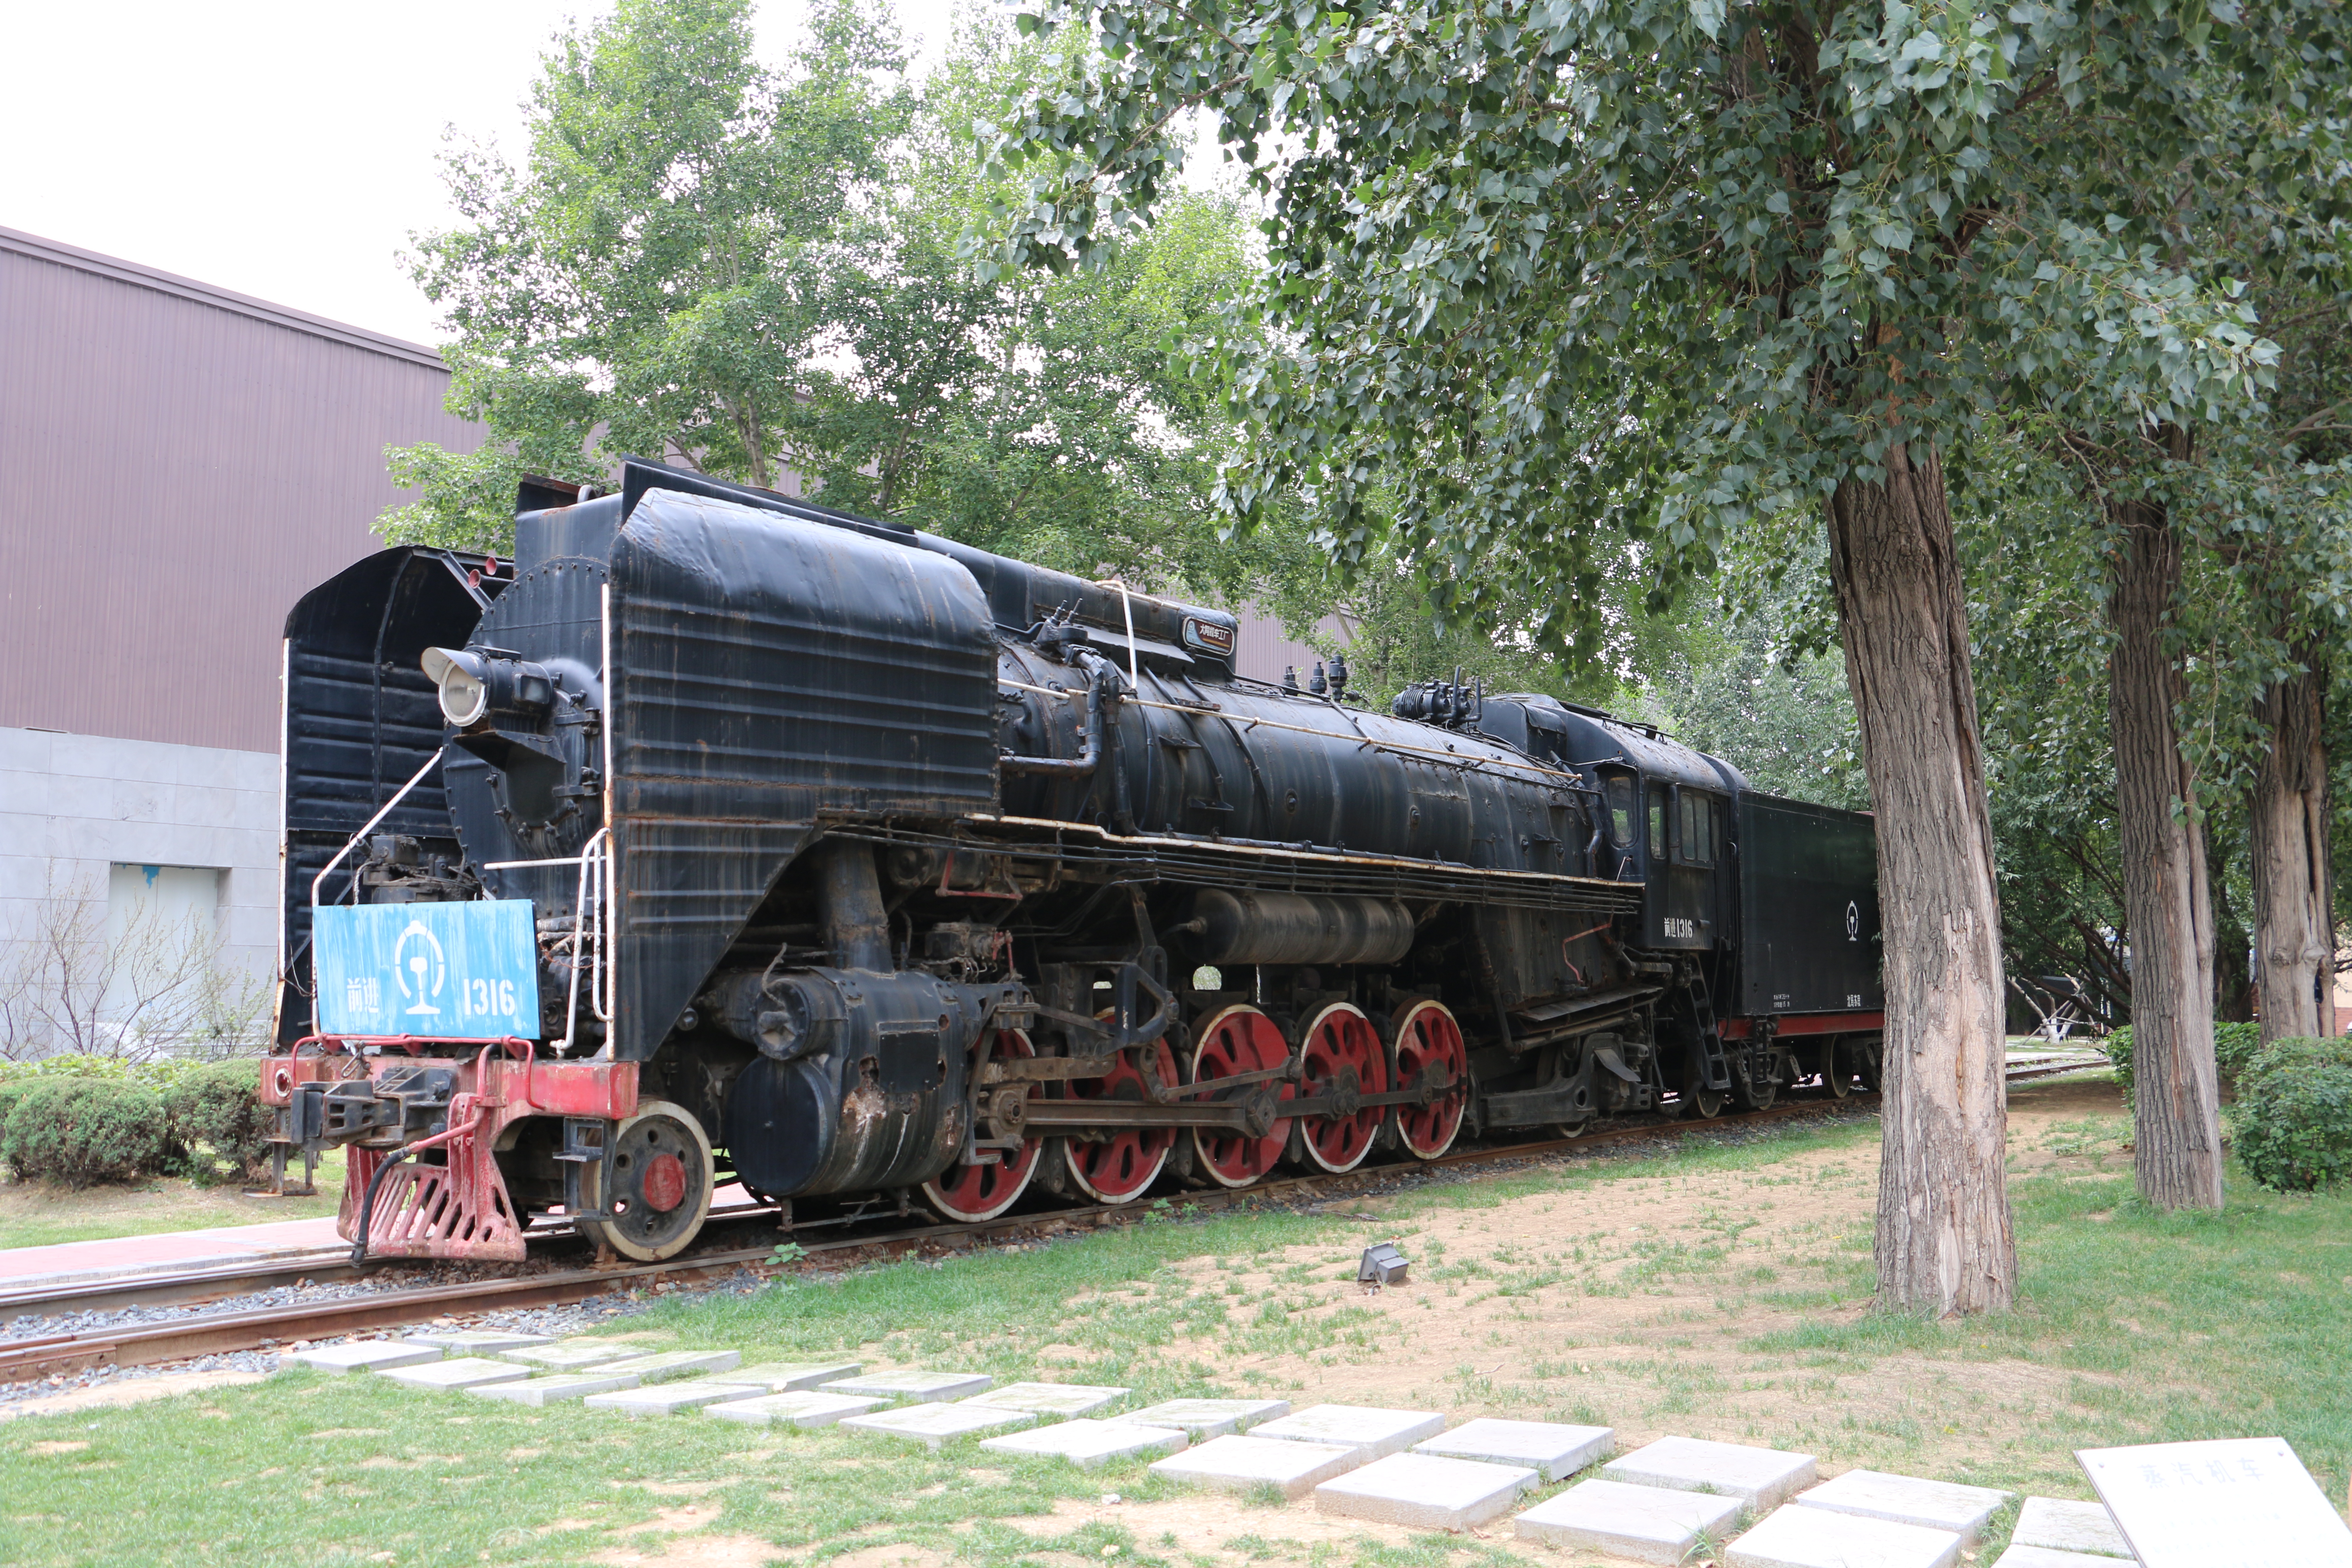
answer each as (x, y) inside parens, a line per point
(220, 1333)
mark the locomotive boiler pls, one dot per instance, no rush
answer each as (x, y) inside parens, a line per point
(722, 836)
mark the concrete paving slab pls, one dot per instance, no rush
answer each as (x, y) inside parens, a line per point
(1373, 1431)
(1088, 1443)
(785, 1376)
(1760, 1478)
(1051, 1398)
(801, 1407)
(1204, 1418)
(478, 1342)
(2060, 1524)
(668, 1366)
(1649, 1524)
(912, 1385)
(2044, 1557)
(368, 1355)
(571, 1356)
(1818, 1538)
(464, 1372)
(557, 1390)
(1907, 1500)
(1555, 1451)
(1425, 1491)
(938, 1425)
(1237, 1463)
(669, 1398)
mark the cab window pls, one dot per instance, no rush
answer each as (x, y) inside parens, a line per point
(1696, 827)
(1621, 809)
(1658, 824)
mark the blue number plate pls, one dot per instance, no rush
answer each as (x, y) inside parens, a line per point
(454, 972)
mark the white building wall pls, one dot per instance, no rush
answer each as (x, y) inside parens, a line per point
(74, 806)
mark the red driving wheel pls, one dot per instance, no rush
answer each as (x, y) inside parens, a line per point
(1429, 1050)
(1342, 1061)
(987, 1187)
(1237, 1040)
(1117, 1167)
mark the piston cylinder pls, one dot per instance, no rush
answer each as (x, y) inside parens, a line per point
(1300, 928)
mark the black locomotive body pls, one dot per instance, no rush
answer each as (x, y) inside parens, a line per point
(864, 862)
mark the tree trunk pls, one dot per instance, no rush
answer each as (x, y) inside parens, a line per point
(2293, 904)
(2233, 979)
(2176, 1096)
(1943, 1239)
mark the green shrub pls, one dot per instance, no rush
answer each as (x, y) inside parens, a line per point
(2291, 1126)
(2235, 1045)
(83, 1130)
(2118, 1046)
(216, 1124)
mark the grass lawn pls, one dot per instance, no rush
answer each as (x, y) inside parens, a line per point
(1719, 1291)
(35, 1214)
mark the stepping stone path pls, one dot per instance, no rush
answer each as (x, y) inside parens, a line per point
(1050, 1398)
(802, 1407)
(2058, 1525)
(785, 1376)
(1818, 1538)
(1555, 1451)
(1937, 1505)
(1425, 1491)
(911, 1386)
(1086, 1443)
(2044, 1557)
(669, 1398)
(1211, 1417)
(368, 1355)
(938, 1425)
(667, 1366)
(555, 1390)
(1758, 1477)
(570, 1355)
(479, 1342)
(1649, 1524)
(466, 1372)
(1236, 1464)
(1373, 1432)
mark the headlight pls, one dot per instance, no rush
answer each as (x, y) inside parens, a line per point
(465, 694)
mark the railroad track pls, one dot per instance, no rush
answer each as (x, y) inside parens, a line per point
(199, 1334)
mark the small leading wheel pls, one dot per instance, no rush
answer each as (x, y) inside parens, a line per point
(1117, 1167)
(661, 1179)
(1837, 1068)
(1707, 1104)
(987, 1187)
(1342, 1061)
(1237, 1040)
(1429, 1050)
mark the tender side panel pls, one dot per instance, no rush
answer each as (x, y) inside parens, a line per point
(1809, 909)
(769, 670)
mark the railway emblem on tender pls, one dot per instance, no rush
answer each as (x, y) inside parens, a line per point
(414, 957)
(1852, 920)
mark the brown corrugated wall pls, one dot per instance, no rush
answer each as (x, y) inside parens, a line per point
(178, 464)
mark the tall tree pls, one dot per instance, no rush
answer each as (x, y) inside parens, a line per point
(1679, 265)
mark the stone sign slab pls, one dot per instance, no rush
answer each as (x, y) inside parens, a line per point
(1649, 1524)
(1555, 1451)
(668, 1366)
(1819, 1537)
(571, 1356)
(478, 1342)
(1211, 1417)
(786, 1377)
(1760, 1478)
(466, 1372)
(2239, 1502)
(1425, 1491)
(911, 1385)
(2060, 1525)
(1050, 1398)
(368, 1355)
(800, 1407)
(936, 1424)
(1237, 1463)
(1373, 1431)
(669, 1398)
(1907, 1500)
(1088, 1443)
(555, 1390)
(2044, 1557)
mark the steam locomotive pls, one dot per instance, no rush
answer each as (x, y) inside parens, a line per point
(720, 836)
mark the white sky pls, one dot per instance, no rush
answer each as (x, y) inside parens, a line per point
(280, 150)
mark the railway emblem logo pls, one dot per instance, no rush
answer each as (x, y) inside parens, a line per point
(414, 957)
(1852, 920)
